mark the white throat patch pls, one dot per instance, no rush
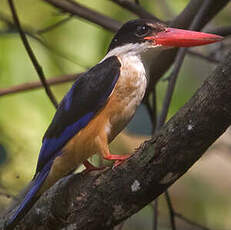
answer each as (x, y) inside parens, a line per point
(141, 52)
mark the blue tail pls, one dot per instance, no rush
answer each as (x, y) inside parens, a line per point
(30, 197)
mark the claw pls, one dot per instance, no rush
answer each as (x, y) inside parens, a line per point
(117, 163)
(119, 158)
(90, 167)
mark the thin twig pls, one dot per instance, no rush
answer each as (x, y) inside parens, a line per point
(54, 26)
(177, 66)
(155, 217)
(77, 9)
(202, 56)
(31, 55)
(154, 110)
(148, 107)
(136, 9)
(32, 34)
(185, 219)
(171, 210)
(171, 86)
(36, 85)
(222, 31)
(202, 12)
(51, 49)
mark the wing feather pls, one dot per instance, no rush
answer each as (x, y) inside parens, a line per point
(87, 95)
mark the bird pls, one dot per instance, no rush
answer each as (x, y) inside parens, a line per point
(101, 102)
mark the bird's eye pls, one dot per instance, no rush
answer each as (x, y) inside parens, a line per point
(142, 30)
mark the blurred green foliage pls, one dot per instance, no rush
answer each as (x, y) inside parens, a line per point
(74, 46)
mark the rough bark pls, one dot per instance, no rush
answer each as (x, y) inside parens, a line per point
(102, 199)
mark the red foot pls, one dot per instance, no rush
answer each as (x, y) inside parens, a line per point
(90, 167)
(119, 158)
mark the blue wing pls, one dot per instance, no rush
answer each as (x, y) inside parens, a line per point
(87, 95)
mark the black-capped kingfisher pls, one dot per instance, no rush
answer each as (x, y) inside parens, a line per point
(101, 102)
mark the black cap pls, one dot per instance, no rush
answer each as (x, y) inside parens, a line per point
(134, 31)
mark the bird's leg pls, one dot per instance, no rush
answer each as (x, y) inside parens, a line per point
(104, 150)
(119, 159)
(90, 167)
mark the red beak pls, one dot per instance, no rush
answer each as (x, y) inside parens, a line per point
(183, 38)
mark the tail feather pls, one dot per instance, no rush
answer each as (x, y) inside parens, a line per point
(30, 198)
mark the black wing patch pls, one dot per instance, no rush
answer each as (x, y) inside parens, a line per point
(87, 95)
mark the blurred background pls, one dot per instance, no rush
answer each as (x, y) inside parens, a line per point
(202, 194)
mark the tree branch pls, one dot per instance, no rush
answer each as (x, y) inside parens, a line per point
(36, 35)
(166, 58)
(136, 9)
(54, 26)
(155, 214)
(223, 31)
(178, 63)
(190, 222)
(37, 84)
(79, 10)
(171, 86)
(171, 210)
(103, 199)
(30, 53)
(202, 56)
(203, 11)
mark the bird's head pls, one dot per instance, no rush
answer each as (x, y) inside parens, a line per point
(138, 36)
